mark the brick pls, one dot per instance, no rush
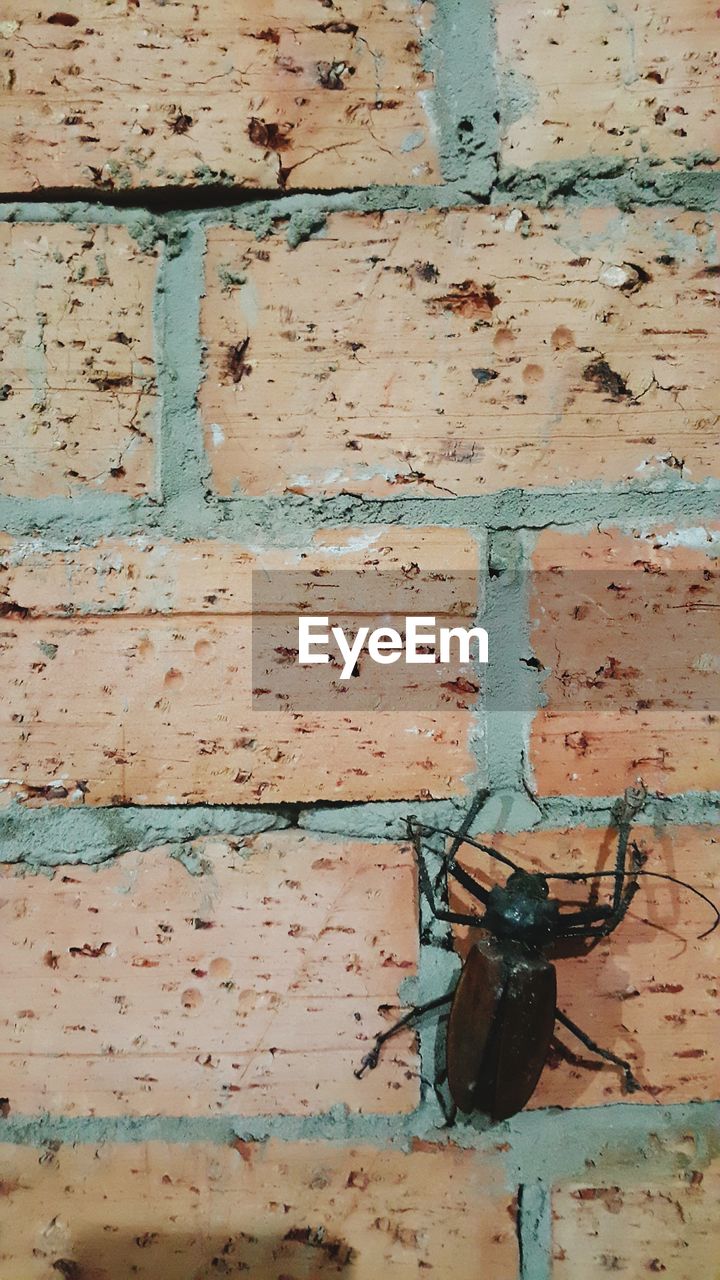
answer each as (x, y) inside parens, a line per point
(253, 987)
(461, 352)
(580, 80)
(665, 1226)
(191, 93)
(649, 991)
(77, 369)
(128, 677)
(625, 625)
(268, 1210)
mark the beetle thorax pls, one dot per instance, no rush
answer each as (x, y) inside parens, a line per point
(522, 910)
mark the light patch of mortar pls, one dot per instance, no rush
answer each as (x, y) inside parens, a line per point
(629, 1141)
(303, 224)
(509, 681)
(518, 96)
(459, 50)
(534, 1230)
(507, 811)
(607, 181)
(51, 837)
(184, 472)
(292, 521)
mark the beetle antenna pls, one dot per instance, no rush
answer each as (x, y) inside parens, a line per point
(453, 835)
(656, 875)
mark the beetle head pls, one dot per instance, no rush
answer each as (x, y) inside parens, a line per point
(527, 884)
(522, 910)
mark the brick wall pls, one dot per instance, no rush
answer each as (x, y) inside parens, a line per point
(424, 289)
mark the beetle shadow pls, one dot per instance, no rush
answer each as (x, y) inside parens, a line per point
(113, 1253)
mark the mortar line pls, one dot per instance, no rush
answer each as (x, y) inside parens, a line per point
(41, 838)
(509, 681)
(284, 520)
(584, 182)
(183, 466)
(459, 48)
(534, 1231)
(582, 1144)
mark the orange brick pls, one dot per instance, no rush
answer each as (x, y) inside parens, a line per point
(649, 991)
(668, 1227)
(265, 1210)
(77, 368)
(461, 352)
(144, 694)
(252, 988)
(626, 626)
(287, 95)
(583, 80)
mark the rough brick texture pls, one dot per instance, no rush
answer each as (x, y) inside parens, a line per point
(78, 399)
(461, 352)
(282, 96)
(267, 1210)
(626, 627)
(649, 991)
(129, 678)
(582, 80)
(251, 986)
(668, 1227)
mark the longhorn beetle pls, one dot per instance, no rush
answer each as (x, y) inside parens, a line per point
(503, 1009)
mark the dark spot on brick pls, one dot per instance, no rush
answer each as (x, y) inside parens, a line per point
(484, 375)
(336, 1251)
(269, 34)
(181, 122)
(63, 20)
(87, 950)
(466, 299)
(67, 1268)
(271, 136)
(235, 363)
(9, 609)
(339, 28)
(426, 271)
(606, 379)
(639, 276)
(112, 381)
(330, 74)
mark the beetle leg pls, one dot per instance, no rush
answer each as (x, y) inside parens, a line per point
(633, 801)
(631, 1084)
(441, 913)
(370, 1060)
(598, 922)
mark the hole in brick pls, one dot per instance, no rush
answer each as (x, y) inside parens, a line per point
(562, 338)
(191, 998)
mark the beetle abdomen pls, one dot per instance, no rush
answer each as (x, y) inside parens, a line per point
(501, 1023)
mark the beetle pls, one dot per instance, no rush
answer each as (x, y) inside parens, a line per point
(503, 1009)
